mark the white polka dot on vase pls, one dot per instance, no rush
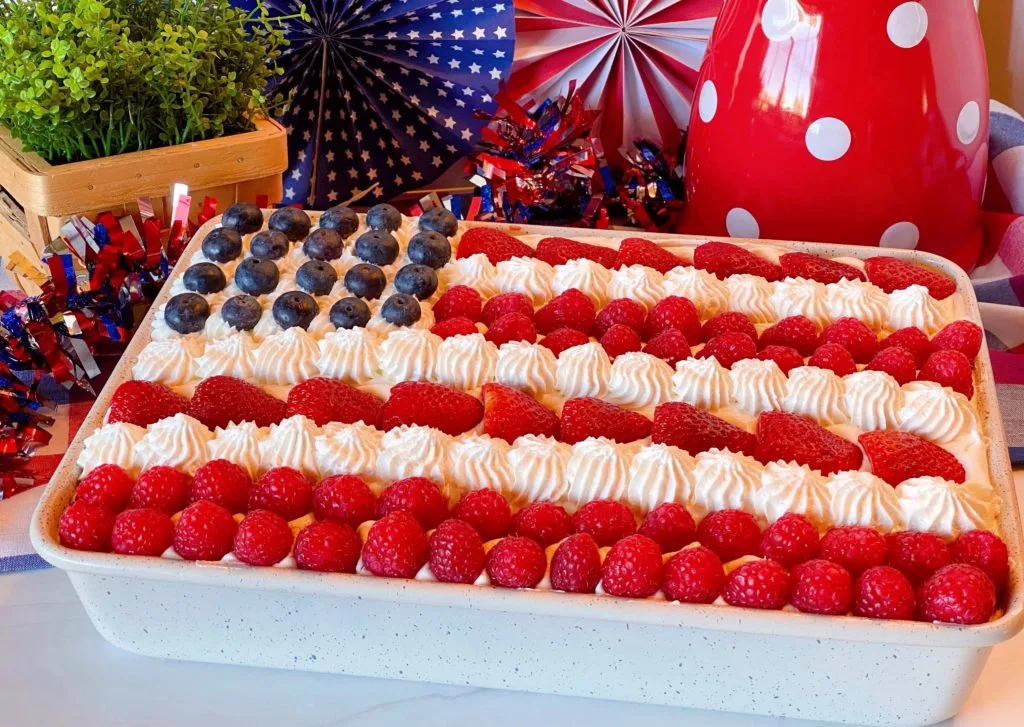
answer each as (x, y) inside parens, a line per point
(779, 18)
(707, 103)
(827, 139)
(907, 24)
(740, 223)
(902, 235)
(968, 122)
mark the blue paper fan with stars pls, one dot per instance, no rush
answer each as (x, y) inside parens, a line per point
(383, 92)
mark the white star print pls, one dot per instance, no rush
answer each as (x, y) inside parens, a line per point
(331, 176)
(329, 157)
(500, 32)
(302, 155)
(289, 193)
(495, 74)
(365, 156)
(332, 196)
(424, 146)
(449, 123)
(436, 161)
(474, 67)
(479, 33)
(467, 134)
(371, 173)
(417, 176)
(458, 35)
(432, 59)
(353, 173)
(432, 112)
(454, 63)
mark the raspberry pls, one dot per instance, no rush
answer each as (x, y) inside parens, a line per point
(516, 562)
(729, 322)
(821, 586)
(222, 482)
(729, 348)
(983, 550)
(959, 594)
(673, 312)
(730, 533)
(890, 274)
(562, 339)
(725, 259)
(344, 499)
(431, 405)
(163, 488)
(511, 327)
(607, 520)
(797, 332)
(853, 335)
(486, 511)
(962, 336)
(502, 305)
(142, 531)
(812, 267)
(510, 413)
(417, 496)
(834, 357)
(896, 361)
(760, 584)
(459, 301)
(328, 547)
(456, 552)
(396, 546)
(571, 309)
(576, 565)
(638, 251)
(282, 490)
(899, 456)
(632, 568)
(495, 244)
(670, 346)
(205, 531)
(695, 430)
(912, 339)
(84, 526)
(327, 400)
(883, 592)
(220, 400)
(670, 525)
(545, 522)
(786, 358)
(626, 311)
(916, 555)
(457, 326)
(560, 250)
(620, 339)
(694, 575)
(853, 547)
(586, 416)
(262, 538)
(949, 368)
(108, 486)
(790, 540)
(143, 403)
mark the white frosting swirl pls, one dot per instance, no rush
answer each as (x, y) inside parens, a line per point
(800, 297)
(639, 380)
(583, 371)
(939, 506)
(914, 306)
(526, 275)
(724, 480)
(860, 498)
(321, 325)
(708, 293)
(291, 444)
(239, 443)
(788, 487)
(178, 441)
(872, 399)
(857, 299)
(348, 449)
(815, 393)
(288, 357)
(171, 362)
(589, 277)
(702, 382)
(111, 444)
(752, 296)
(476, 271)
(527, 366)
(466, 362)
(216, 327)
(413, 451)
(409, 354)
(935, 412)
(597, 470)
(639, 282)
(349, 355)
(231, 356)
(659, 473)
(478, 462)
(266, 326)
(538, 469)
(757, 385)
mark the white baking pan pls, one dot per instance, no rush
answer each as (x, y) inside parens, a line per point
(712, 657)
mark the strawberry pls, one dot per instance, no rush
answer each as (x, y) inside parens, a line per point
(695, 430)
(853, 547)
(509, 414)
(485, 510)
(459, 301)
(958, 594)
(984, 550)
(853, 335)
(205, 531)
(396, 546)
(632, 568)
(456, 552)
(328, 547)
(694, 575)
(898, 456)
(108, 486)
(586, 416)
(786, 437)
(142, 531)
(85, 526)
(220, 400)
(962, 336)
(725, 259)
(833, 357)
(916, 555)
(457, 326)
(328, 400)
(762, 584)
(821, 586)
(797, 332)
(729, 322)
(162, 488)
(504, 304)
(912, 339)
(562, 339)
(731, 534)
(638, 251)
(812, 267)
(345, 499)
(608, 521)
(144, 402)
(790, 540)
(516, 562)
(262, 538)
(626, 311)
(891, 274)
(729, 348)
(673, 311)
(571, 309)
(495, 244)
(282, 490)
(417, 496)
(560, 250)
(431, 405)
(545, 522)
(670, 525)
(222, 482)
(511, 327)
(949, 368)
(896, 361)
(620, 339)
(785, 358)
(670, 346)
(883, 592)
(576, 565)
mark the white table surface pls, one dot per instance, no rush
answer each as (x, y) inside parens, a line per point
(55, 669)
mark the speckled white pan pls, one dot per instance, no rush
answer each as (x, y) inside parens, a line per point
(777, 663)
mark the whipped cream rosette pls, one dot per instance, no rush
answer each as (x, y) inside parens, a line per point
(857, 299)
(477, 461)
(702, 382)
(642, 284)
(292, 443)
(409, 354)
(239, 443)
(171, 362)
(598, 469)
(526, 275)
(751, 296)
(349, 449)
(475, 271)
(413, 451)
(466, 362)
(350, 355)
(659, 473)
(639, 380)
(527, 366)
(756, 385)
(178, 441)
(538, 469)
(288, 357)
(234, 355)
(583, 371)
(111, 444)
(860, 498)
(707, 292)
(589, 277)
(787, 487)
(914, 306)
(800, 297)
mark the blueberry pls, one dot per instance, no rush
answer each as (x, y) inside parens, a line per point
(269, 245)
(401, 310)
(255, 276)
(316, 277)
(340, 218)
(430, 248)
(365, 281)
(350, 313)
(187, 312)
(383, 217)
(438, 219)
(295, 308)
(417, 280)
(244, 217)
(222, 245)
(377, 247)
(204, 278)
(324, 244)
(242, 311)
(291, 221)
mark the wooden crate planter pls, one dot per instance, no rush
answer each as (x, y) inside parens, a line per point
(231, 168)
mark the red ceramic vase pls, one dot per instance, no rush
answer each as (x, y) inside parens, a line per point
(853, 122)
